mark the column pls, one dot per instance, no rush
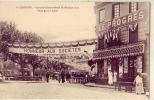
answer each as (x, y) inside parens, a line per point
(139, 64)
(125, 65)
(105, 68)
(121, 64)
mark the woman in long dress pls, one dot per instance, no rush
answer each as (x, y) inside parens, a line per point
(110, 78)
(114, 77)
(139, 84)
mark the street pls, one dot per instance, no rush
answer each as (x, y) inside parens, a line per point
(54, 90)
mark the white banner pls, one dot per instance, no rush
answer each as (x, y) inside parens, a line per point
(88, 49)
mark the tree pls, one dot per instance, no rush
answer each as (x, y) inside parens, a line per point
(9, 34)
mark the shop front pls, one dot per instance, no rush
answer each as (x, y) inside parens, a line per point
(126, 60)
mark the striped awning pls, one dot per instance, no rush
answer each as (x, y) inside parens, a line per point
(122, 51)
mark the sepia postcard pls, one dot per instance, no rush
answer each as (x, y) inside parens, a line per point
(75, 49)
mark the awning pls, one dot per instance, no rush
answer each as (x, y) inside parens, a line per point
(122, 51)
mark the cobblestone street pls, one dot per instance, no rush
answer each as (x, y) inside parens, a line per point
(54, 90)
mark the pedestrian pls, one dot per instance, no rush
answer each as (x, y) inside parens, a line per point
(59, 77)
(63, 76)
(1, 76)
(110, 78)
(47, 77)
(86, 78)
(68, 76)
(139, 84)
(114, 77)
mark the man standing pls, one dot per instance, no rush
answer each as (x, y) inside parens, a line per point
(63, 76)
(47, 77)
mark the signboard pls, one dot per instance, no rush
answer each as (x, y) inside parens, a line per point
(52, 51)
(111, 28)
(75, 54)
(122, 21)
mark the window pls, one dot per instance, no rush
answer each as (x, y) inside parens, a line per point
(133, 28)
(116, 10)
(102, 15)
(133, 6)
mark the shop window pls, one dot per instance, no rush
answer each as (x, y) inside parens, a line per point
(116, 10)
(101, 15)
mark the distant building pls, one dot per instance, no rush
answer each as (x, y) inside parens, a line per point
(123, 39)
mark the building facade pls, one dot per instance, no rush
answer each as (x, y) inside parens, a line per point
(123, 39)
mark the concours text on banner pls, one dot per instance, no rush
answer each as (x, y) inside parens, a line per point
(41, 50)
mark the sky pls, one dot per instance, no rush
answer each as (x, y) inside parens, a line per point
(62, 21)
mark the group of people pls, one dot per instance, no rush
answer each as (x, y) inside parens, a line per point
(64, 77)
(138, 81)
(112, 77)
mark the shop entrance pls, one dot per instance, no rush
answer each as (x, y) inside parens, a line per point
(115, 65)
(131, 69)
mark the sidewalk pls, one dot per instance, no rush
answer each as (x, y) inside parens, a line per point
(13, 81)
(102, 86)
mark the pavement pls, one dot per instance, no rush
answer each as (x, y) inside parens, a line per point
(54, 90)
(102, 86)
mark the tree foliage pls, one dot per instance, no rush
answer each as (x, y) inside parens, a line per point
(10, 34)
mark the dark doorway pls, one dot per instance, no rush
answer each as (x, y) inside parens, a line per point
(115, 65)
(131, 68)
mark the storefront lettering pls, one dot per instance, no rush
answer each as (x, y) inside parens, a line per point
(121, 21)
(69, 50)
(125, 20)
(33, 50)
(51, 51)
(47, 50)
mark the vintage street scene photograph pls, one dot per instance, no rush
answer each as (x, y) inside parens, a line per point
(75, 50)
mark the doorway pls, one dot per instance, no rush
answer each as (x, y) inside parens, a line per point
(115, 65)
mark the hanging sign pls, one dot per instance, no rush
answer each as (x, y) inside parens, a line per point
(51, 51)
